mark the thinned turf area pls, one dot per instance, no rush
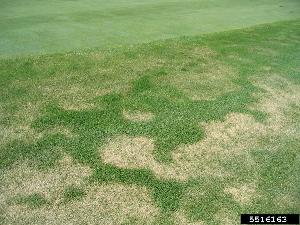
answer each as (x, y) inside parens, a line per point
(43, 26)
(193, 130)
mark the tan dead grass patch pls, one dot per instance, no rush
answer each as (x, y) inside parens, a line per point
(69, 93)
(215, 80)
(25, 180)
(129, 152)
(80, 97)
(24, 133)
(242, 194)
(12, 133)
(103, 204)
(277, 101)
(137, 116)
(227, 217)
(181, 219)
(224, 139)
(19, 128)
(74, 97)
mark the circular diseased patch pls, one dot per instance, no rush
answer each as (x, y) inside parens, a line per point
(280, 100)
(213, 81)
(129, 152)
(243, 194)
(102, 204)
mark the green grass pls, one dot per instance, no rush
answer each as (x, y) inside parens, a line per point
(86, 93)
(32, 201)
(73, 193)
(35, 27)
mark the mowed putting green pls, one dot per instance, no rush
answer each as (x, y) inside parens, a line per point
(35, 27)
(194, 130)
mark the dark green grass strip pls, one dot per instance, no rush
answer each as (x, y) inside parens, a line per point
(72, 193)
(32, 200)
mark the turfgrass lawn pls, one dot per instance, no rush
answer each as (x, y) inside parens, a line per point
(195, 129)
(44, 26)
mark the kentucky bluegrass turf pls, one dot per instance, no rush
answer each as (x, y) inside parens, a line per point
(41, 26)
(218, 113)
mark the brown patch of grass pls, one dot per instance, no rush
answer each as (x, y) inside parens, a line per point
(224, 140)
(75, 97)
(180, 219)
(105, 204)
(102, 204)
(129, 152)
(11, 133)
(242, 194)
(19, 127)
(24, 180)
(137, 116)
(278, 101)
(214, 80)
(227, 217)
(71, 91)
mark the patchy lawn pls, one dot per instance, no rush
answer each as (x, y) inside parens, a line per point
(189, 130)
